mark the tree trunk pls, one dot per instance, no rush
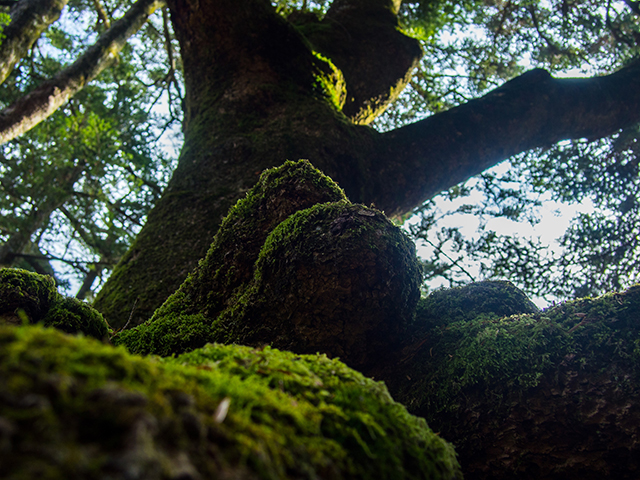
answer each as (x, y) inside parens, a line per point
(257, 94)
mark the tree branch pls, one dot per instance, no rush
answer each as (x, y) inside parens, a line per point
(533, 110)
(29, 18)
(634, 6)
(39, 104)
(362, 38)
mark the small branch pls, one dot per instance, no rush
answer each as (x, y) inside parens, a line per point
(102, 14)
(454, 263)
(39, 104)
(74, 263)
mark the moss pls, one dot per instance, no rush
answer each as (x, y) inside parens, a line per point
(73, 407)
(544, 379)
(479, 346)
(294, 263)
(27, 294)
(228, 267)
(26, 297)
(74, 316)
(497, 298)
(167, 335)
(336, 278)
(330, 81)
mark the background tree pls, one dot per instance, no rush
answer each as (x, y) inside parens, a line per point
(257, 94)
(76, 188)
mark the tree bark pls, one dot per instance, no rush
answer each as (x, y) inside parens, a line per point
(40, 103)
(257, 95)
(29, 18)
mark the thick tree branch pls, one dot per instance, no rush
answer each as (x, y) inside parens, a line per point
(29, 18)
(39, 104)
(533, 110)
(362, 39)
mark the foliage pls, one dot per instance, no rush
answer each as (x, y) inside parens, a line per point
(80, 184)
(476, 52)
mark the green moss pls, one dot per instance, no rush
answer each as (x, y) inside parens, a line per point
(497, 298)
(26, 292)
(465, 361)
(336, 278)
(330, 81)
(167, 335)
(26, 297)
(74, 316)
(228, 268)
(73, 407)
(217, 291)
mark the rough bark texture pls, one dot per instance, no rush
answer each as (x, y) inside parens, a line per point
(37, 105)
(257, 94)
(533, 395)
(521, 393)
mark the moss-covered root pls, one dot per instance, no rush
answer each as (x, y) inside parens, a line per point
(71, 407)
(550, 394)
(336, 278)
(229, 263)
(498, 298)
(183, 322)
(26, 297)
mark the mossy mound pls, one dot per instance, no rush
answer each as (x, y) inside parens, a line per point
(549, 394)
(297, 266)
(26, 297)
(492, 297)
(72, 407)
(336, 278)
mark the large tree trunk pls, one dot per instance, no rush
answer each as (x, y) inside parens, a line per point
(257, 95)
